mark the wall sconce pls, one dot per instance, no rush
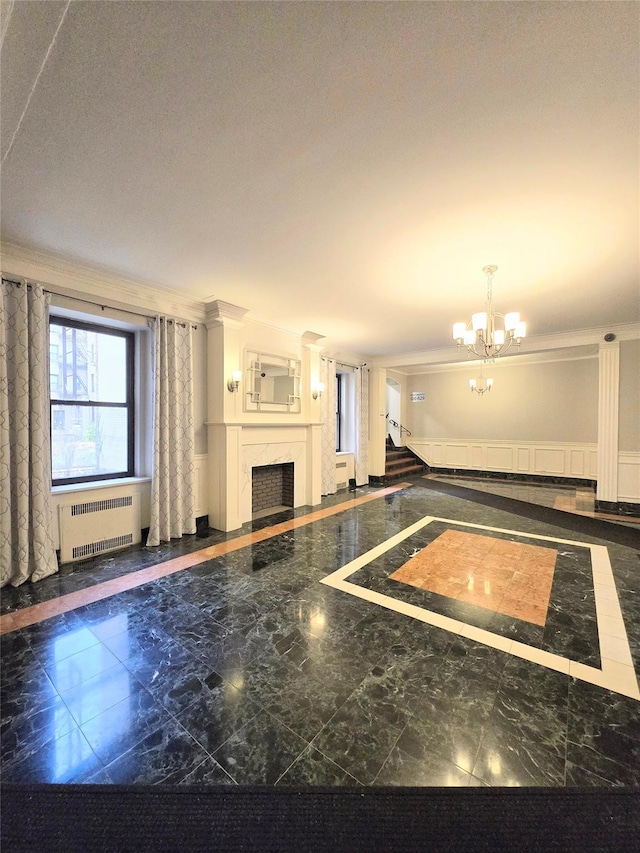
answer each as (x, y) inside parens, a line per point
(317, 390)
(234, 382)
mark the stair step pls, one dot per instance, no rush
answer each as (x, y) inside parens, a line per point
(400, 463)
(408, 469)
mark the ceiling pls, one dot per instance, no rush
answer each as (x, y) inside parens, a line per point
(344, 167)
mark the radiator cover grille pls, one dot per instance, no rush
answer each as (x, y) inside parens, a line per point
(99, 526)
(104, 545)
(99, 506)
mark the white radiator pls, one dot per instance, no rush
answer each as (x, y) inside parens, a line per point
(95, 527)
(344, 470)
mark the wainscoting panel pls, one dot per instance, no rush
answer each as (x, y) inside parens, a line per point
(457, 455)
(522, 457)
(629, 477)
(551, 461)
(499, 458)
(476, 455)
(199, 483)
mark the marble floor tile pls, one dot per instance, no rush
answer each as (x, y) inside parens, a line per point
(230, 660)
(100, 693)
(26, 730)
(260, 752)
(507, 759)
(167, 754)
(591, 761)
(400, 768)
(362, 756)
(67, 759)
(213, 718)
(448, 729)
(306, 705)
(116, 730)
(207, 773)
(77, 668)
(314, 768)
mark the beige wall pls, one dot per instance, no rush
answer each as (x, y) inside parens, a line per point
(629, 417)
(555, 401)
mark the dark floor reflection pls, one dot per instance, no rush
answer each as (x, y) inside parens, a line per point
(247, 670)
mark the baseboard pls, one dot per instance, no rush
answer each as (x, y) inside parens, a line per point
(532, 479)
(202, 528)
(623, 508)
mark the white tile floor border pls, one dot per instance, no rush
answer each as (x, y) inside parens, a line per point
(617, 673)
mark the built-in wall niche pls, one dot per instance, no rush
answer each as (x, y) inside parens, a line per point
(274, 383)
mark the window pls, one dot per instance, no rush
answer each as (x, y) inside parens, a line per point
(92, 406)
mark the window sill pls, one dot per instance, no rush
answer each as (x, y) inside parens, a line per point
(97, 484)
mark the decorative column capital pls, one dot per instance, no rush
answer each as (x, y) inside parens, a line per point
(224, 314)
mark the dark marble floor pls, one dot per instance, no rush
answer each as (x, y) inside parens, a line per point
(247, 669)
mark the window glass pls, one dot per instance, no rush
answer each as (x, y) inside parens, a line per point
(91, 390)
(88, 441)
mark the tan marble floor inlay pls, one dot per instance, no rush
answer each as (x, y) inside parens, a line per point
(64, 603)
(506, 577)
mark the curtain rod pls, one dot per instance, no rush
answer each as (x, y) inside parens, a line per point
(98, 304)
(344, 363)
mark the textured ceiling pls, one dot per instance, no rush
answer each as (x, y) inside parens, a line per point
(342, 167)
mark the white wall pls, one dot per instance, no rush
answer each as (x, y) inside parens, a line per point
(552, 402)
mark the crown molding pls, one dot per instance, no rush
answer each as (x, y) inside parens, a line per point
(220, 311)
(545, 357)
(73, 278)
(535, 348)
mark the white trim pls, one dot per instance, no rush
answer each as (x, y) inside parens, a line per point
(629, 477)
(531, 346)
(71, 488)
(200, 464)
(72, 278)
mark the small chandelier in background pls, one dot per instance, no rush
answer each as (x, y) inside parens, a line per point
(489, 334)
(481, 385)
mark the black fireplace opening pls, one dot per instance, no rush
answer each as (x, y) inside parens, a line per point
(271, 487)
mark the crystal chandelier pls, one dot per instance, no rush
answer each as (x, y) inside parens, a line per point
(481, 385)
(489, 334)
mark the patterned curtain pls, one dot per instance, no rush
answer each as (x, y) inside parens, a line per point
(328, 418)
(27, 549)
(362, 426)
(172, 494)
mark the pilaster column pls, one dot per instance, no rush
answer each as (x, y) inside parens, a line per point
(224, 410)
(608, 402)
(377, 421)
(311, 349)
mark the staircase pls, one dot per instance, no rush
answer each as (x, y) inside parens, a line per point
(401, 462)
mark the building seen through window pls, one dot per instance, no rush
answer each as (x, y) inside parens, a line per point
(91, 391)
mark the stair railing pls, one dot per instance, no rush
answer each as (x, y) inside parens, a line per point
(399, 426)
